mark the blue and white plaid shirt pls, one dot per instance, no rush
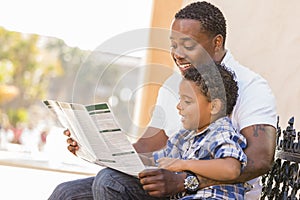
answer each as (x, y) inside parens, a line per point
(218, 140)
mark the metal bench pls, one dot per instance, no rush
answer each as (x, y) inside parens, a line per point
(282, 182)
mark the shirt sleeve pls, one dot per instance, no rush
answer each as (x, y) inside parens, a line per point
(256, 104)
(232, 147)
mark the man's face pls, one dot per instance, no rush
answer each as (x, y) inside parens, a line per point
(190, 46)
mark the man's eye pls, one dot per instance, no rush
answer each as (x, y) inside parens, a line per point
(189, 47)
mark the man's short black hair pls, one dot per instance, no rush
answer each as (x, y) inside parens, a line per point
(211, 18)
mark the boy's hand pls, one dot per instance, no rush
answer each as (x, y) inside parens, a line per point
(171, 164)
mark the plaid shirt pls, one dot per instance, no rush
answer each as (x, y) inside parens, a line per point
(219, 140)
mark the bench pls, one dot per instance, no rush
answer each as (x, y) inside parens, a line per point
(282, 182)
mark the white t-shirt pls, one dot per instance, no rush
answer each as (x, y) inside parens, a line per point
(255, 105)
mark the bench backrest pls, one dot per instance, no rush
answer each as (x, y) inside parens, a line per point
(283, 180)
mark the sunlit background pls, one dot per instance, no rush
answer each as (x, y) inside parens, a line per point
(50, 41)
(83, 24)
(48, 51)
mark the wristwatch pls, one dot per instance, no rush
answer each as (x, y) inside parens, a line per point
(191, 183)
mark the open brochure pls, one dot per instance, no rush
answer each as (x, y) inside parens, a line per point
(100, 138)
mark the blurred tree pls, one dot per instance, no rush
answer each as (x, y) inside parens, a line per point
(46, 68)
(71, 59)
(26, 66)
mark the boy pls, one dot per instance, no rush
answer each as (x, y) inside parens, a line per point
(209, 146)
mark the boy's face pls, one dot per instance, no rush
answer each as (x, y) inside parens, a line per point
(190, 46)
(193, 107)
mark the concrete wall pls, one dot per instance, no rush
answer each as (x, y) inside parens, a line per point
(158, 58)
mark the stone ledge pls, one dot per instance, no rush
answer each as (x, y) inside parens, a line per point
(21, 159)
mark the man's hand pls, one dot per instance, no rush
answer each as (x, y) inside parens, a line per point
(161, 182)
(73, 145)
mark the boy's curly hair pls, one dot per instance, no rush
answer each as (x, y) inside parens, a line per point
(215, 81)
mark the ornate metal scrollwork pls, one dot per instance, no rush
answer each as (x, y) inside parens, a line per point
(282, 182)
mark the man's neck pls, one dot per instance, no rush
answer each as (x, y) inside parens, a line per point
(219, 56)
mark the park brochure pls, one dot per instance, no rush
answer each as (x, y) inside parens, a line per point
(100, 138)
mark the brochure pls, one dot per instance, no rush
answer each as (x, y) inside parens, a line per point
(100, 138)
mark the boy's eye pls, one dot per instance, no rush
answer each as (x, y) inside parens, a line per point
(187, 102)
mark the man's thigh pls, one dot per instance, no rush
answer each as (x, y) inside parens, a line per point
(110, 184)
(76, 189)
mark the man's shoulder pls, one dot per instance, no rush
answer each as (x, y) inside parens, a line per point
(243, 74)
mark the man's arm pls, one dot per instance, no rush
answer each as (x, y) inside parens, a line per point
(261, 143)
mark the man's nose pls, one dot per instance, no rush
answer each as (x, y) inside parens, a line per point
(178, 53)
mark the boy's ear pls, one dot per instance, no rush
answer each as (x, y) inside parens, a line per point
(216, 106)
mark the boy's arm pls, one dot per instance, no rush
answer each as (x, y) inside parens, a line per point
(153, 139)
(221, 169)
(261, 142)
(147, 159)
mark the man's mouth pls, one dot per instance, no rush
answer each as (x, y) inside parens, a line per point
(184, 66)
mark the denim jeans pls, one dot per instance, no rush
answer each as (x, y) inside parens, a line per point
(109, 184)
(80, 189)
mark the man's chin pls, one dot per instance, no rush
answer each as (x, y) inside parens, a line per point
(183, 70)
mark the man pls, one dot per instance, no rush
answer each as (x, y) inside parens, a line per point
(198, 34)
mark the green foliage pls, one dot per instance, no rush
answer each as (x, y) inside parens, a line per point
(7, 70)
(25, 64)
(45, 67)
(17, 116)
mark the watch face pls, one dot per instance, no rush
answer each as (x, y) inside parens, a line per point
(191, 183)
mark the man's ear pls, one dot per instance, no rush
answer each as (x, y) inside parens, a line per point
(216, 106)
(218, 42)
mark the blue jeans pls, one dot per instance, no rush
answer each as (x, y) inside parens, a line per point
(109, 184)
(74, 190)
